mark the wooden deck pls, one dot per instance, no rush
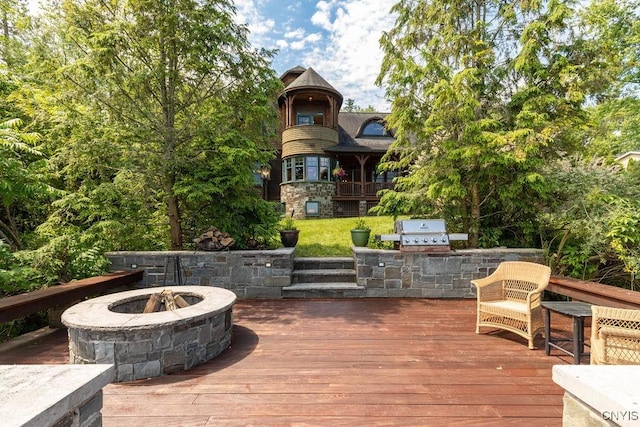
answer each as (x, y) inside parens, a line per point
(347, 362)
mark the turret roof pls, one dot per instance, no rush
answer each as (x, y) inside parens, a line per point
(311, 80)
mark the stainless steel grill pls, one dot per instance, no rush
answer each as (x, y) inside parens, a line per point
(422, 235)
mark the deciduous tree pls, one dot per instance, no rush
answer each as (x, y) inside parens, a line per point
(169, 92)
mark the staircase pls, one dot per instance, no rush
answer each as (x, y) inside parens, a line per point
(323, 278)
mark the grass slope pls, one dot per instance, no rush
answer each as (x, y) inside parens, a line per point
(332, 237)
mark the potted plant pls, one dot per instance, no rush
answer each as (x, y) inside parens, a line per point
(360, 233)
(339, 173)
(289, 232)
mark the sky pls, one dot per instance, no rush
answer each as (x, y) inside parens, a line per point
(339, 39)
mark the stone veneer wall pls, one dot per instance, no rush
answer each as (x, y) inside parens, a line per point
(383, 273)
(295, 195)
(155, 350)
(249, 274)
(390, 273)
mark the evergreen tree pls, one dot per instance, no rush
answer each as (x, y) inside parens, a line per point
(483, 95)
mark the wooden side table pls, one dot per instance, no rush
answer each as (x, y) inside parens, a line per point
(578, 311)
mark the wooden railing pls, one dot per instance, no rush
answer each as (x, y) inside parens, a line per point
(21, 305)
(349, 188)
(594, 293)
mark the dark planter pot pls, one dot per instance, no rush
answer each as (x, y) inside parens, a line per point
(289, 238)
(360, 237)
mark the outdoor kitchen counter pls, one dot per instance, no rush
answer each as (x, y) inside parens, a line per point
(444, 274)
(47, 395)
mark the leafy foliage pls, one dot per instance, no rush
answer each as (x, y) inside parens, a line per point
(172, 95)
(22, 180)
(484, 95)
(15, 278)
(592, 225)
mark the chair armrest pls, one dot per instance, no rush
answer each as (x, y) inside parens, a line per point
(535, 295)
(486, 281)
(612, 331)
(489, 290)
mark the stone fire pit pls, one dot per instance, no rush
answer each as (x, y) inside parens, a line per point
(113, 329)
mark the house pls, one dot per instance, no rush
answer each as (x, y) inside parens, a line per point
(328, 158)
(628, 156)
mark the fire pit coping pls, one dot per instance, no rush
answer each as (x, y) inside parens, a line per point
(95, 313)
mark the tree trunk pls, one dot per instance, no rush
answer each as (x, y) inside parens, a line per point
(474, 223)
(173, 210)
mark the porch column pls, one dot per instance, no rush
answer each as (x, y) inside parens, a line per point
(362, 160)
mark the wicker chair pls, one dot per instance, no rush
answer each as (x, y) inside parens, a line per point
(615, 336)
(510, 298)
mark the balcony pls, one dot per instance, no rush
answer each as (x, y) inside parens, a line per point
(350, 195)
(368, 190)
(307, 139)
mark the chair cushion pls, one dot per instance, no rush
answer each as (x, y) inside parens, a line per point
(507, 305)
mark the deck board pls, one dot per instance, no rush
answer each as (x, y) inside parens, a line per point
(344, 362)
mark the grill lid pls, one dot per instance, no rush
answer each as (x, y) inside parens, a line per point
(421, 235)
(420, 226)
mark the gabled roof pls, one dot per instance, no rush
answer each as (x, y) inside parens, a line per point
(628, 154)
(625, 158)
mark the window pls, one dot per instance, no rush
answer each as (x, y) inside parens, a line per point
(312, 168)
(287, 170)
(312, 208)
(299, 169)
(324, 168)
(306, 168)
(385, 176)
(304, 119)
(374, 129)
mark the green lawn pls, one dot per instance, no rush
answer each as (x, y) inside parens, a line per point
(332, 237)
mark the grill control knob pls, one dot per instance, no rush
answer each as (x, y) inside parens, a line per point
(435, 240)
(416, 240)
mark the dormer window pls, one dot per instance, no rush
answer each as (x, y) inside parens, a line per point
(374, 128)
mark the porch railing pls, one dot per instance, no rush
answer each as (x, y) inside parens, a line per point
(348, 188)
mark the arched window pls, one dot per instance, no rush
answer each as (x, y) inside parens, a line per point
(374, 128)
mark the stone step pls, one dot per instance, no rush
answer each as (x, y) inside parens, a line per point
(342, 275)
(324, 290)
(323, 263)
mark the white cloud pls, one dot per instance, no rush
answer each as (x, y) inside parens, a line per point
(247, 13)
(315, 37)
(352, 57)
(298, 33)
(340, 40)
(322, 17)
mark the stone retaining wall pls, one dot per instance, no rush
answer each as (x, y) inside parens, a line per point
(249, 274)
(390, 273)
(383, 273)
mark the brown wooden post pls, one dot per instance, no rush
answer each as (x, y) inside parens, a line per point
(362, 160)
